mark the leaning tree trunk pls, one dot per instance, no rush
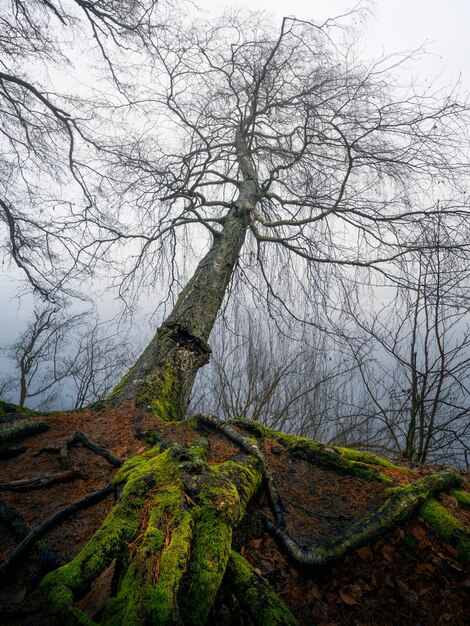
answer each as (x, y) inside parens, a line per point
(163, 377)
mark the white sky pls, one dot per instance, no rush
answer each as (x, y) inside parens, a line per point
(444, 27)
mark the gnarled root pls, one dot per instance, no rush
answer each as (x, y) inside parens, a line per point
(401, 503)
(39, 531)
(21, 430)
(256, 596)
(449, 527)
(172, 523)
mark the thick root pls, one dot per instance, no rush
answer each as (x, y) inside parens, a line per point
(256, 596)
(26, 484)
(39, 531)
(250, 448)
(342, 460)
(450, 529)
(97, 448)
(401, 504)
(20, 430)
(171, 526)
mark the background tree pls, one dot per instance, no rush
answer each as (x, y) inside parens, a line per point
(61, 355)
(413, 354)
(291, 378)
(38, 355)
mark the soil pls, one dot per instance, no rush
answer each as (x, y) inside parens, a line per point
(406, 577)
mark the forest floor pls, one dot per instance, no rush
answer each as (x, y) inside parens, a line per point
(407, 576)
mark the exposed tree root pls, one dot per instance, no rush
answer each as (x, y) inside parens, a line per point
(449, 527)
(38, 531)
(401, 504)
(80, 437)
(173, 522)
(13, 521)
(10, 412)
(22, 429)
(12, 451)
(250, 448)
(256, 596)
(342, 460)
(169, 536)
(26, 484)
(19, 529)
(462, 497)
(97, 448)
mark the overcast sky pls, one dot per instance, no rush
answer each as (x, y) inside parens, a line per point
(443, 27)
(395, 25)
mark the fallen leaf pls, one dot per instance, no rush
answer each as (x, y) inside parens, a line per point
(418, 532)
(254, 544)
(365, 553)
(314, 593)
(406, 593)
(347, 598)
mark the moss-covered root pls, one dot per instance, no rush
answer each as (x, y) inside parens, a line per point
(343, 460)
(22, 429)
(256, 596)
(250, 448)
(152, 489)
(400, 504)
(161, 537)
(462, 497)
(225, 493)
(450, 529)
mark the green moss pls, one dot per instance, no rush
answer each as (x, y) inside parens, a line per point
(225, 493)
(368, 458)
(450, 529)
(211, 550)
(22, 429)
(342, 460)
(200, 448)
(161, 600)
(143, 475)
(463, 498)
(158, 394)
(264, 605)
(13, 411)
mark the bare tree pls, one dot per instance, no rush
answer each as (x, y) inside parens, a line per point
(416, 362)
(276, 139)
(100, 361)
(49, 134)
(288, 377)
(66, 359)
(38, 355)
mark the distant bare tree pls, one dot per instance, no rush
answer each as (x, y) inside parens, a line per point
(38, 354)
(415, 355)
(62, 356)
(101, 359)
(288, 378)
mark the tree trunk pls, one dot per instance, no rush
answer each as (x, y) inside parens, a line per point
(163, 376)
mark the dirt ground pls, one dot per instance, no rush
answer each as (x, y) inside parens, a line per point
(406, 577)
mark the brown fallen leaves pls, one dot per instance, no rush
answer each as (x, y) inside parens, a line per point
(406, 577)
